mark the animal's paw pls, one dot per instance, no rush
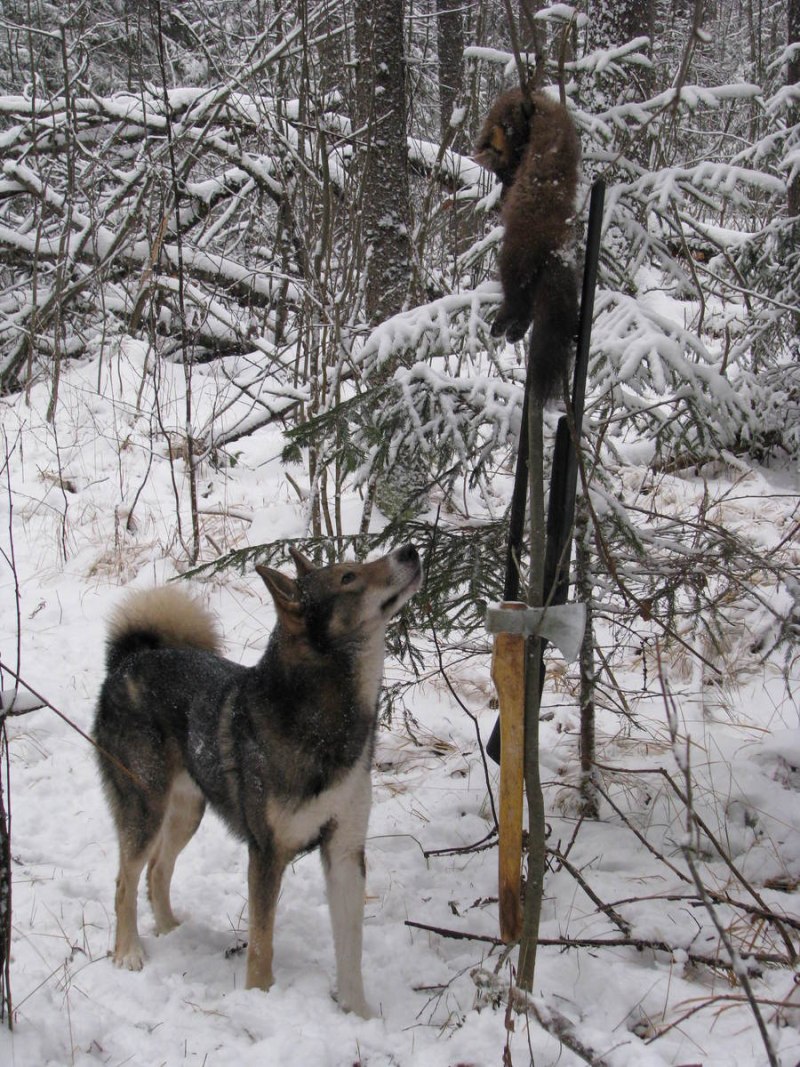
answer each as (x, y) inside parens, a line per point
(258, 977)
(166, 926)
(131, 959)
(516, 330)
(509, 325)
(363, 1010)
(356, 1004)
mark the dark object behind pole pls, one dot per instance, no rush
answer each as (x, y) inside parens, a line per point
(564, 476)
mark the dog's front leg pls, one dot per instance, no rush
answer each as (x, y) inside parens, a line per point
(265, 869)
(345, 878)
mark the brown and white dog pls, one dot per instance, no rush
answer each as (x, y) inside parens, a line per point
(281, 750)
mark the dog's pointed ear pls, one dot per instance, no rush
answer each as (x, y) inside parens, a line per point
(283, 591)
(303, 563)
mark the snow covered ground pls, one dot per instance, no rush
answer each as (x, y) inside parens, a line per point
(68, 491)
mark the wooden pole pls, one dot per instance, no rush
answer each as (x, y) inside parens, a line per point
(508, 675)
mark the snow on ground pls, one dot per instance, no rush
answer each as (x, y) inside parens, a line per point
(65, 523)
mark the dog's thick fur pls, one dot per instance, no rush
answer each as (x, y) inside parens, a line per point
(533, 148)
(281, 750)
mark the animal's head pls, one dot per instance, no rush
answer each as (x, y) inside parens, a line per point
(504, 135)
(346, 602)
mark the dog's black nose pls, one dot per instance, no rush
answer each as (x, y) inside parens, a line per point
(408, 554)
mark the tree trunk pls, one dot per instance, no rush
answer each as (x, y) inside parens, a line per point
(381, 137)
(792, 78)
(615, 22)
(450, 43)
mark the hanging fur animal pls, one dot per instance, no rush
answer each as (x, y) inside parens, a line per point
(533, 148)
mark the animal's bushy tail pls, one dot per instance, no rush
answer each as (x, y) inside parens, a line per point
(555, 326)
(159, 618)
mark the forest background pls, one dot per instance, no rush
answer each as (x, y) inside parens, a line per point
(247, 278)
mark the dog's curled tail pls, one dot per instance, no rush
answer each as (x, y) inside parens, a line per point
(159, 618)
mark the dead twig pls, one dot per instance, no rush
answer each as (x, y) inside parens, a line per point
(621, 923)
(726, 999)
(455, 935)
(717, 898)
(487, 842)
(640, 944)
(639, 835)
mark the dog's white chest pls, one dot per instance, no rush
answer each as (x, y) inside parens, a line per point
(295, 826)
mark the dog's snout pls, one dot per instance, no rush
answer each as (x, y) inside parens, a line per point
(408, 554)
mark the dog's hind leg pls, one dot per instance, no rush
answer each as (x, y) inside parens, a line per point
(264, 873)
(128, 949)
(345, 878)
(185, 808)
(138, 815)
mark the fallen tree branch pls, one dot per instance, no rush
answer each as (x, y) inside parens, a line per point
(640, 944)
(487, 842)
(551, 1019)
(718, 898)
(622, 924)
(455, 935)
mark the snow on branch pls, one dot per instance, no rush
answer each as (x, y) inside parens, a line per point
(609, 60)
(628, 113)
(655, 367)
(672, 185)
(460, 170)
(601, 61)
(451, 323)
(435, 402)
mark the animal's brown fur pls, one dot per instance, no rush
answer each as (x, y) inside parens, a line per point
(534, 151)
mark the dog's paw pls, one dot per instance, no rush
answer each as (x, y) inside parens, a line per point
(166, 926)
(258, 977)
(132, 959)
(363, 1010)
(355, 1004)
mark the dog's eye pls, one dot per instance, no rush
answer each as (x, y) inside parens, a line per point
(348, 577)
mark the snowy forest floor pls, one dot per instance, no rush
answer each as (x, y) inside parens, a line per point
(65, 525)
